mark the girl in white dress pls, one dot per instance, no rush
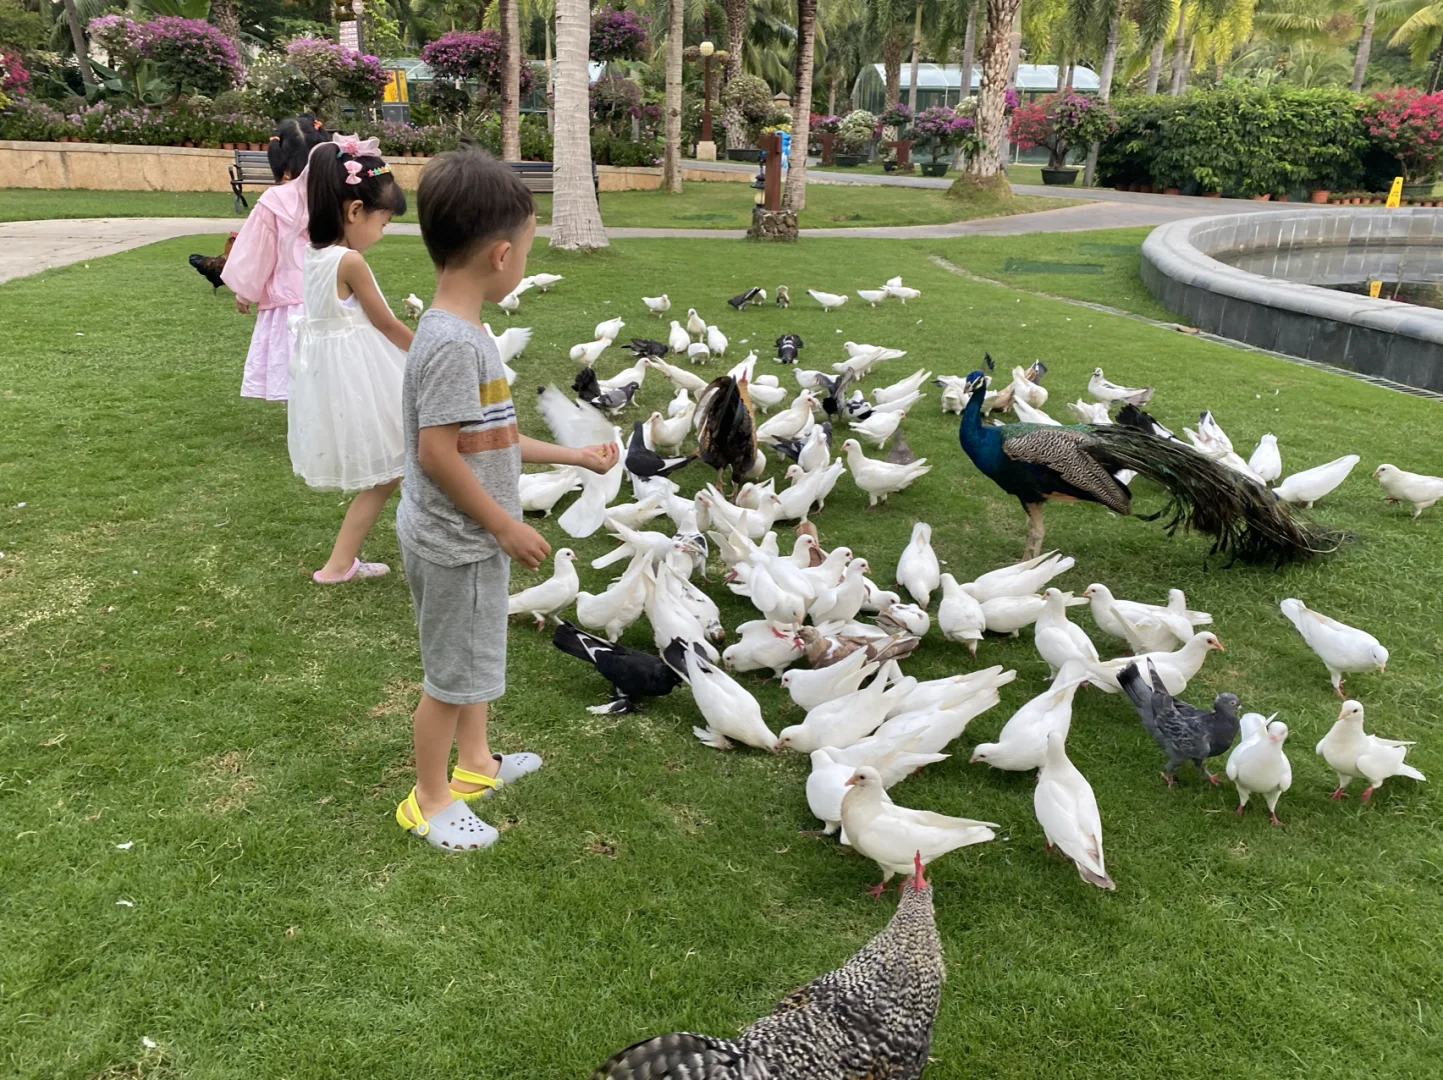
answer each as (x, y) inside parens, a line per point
(344, 420)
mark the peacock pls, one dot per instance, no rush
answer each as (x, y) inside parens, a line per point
(1078, 462)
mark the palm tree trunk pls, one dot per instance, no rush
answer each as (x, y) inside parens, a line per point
(550, 77)
(510, 81)
(795, 196)
(969, 53)
(77, 39)
(916, 56)
(1154, 66)
(893, 46)
(1365, 47)
(996, 60)
(832, 98)
(1179, 54)
(671, 155)
(1104, 89)
(575, 218)
(736, 12)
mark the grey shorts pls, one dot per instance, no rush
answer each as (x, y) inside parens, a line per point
(461, 616)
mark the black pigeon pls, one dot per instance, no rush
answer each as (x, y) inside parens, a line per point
(901, 453)
(644, 463)
(633, 674)
(857, 407)
(784, 298)
(787, 346)
(834, 389)
(641, 346)
(588, 389)
(789, 449)
(1036, 370)
(1183, 731)
(1131, 416)
(753, 295)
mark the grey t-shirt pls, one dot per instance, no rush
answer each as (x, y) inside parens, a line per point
(454, 375)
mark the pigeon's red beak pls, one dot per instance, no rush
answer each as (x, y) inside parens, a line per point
(919, 879)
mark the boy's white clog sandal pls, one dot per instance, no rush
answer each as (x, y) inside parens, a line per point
(454, 829)
(513, 768)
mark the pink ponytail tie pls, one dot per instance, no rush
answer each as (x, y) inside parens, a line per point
(354, 168)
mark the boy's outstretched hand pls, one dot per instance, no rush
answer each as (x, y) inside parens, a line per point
(524, 544)
(600, 458)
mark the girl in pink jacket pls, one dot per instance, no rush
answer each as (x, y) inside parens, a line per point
(264, 267)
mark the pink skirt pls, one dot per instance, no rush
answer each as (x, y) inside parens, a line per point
(267, 371)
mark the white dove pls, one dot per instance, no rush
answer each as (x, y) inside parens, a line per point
(556, 593)
(880, 478)
(1258, 763)
(895, 837)
(543, 490)
(929, 732)
(826, 785)
(903, 292)
(810, 688)
(545, 281)
(577, 425)
(680, 404)
(1020, 579)
(414, 306)
(894, 281)
(729, 710)
(762, 645)
(1009, 614)
(873, 353)
(510, 303)
(793, 422)
(678, 339)
(1267, 461)
(1175, 668)
(1100, 388)
(841, 721)
(1090, 412)
(765, 396)
(893, 761)
(880, 426)
(695, 324)
(1022, 743)
(1420, 490)
(843, 600)
(1310, 485)
(1024, 389)
(635, 515)
(872, 296)
(960, 616)
(1342, 648)
(918, 569)
(829, 301)
(1146, 627)
(657, 305)
(1067, 810)
(586, 353)
(902, 388)
(1353, 752)
(634, 374)
(698, 353)
(716, 341)
(611, 612)
(1058, 641)
(511, 342)
(1029, 415)
(611, 328)
(671, 617)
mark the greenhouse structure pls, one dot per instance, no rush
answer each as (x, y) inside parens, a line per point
(941, 84)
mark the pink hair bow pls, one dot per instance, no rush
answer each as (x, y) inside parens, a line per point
(354, 168)
(356, 146)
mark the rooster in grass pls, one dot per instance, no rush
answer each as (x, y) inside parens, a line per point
(726, 428)
(1077, 463)
(210, 266)
(870, 1018)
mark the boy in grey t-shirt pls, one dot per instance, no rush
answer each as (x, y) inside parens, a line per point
(459, 522)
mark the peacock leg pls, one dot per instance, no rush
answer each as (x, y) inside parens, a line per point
(1034, 531)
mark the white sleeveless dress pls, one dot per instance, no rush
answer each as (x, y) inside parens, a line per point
(344, 425)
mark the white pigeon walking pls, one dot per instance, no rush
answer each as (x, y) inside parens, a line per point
(1267, 462)
(1067, 810)
(1020, 579)
(414, 306)
(892, 836)
(844, 720)
(1258, 765)
(1100, 388)
(879, 427)
(1341, 647)
(826, 787)
(810, 688)
(1352, 752)
(960, 617)
(829, 301)
(611, 328)
(1175, 668)
(918, 570)
(729, 710)
(1310, 485)
(657, 305)
(542, 491)
(678, 339)
(1059, 641)
(872, 296)
(880, 478)
(1416, 488)
(545, 281)
(695, 324)
(556, 593)
(1022, 743)
(716, 341)
(587, 352)
(903, 293)
(1145, 627)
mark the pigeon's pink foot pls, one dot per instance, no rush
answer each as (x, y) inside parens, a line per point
(1213, 779)
(1171, 782)
(1367, 793)
(1241, 807)
(1339, 689)
(1273, 818)
(877, 890)
(1339, 794)
(540, 625)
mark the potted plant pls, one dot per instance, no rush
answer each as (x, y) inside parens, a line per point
(853, 137)
(1060, 122)
(898, 118)
(751, 97)
(824, 131)
(936, 131)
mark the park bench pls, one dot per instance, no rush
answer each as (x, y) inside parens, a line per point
(541, 180)
(252, 168)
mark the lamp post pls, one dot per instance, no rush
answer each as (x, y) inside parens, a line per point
(706, 148)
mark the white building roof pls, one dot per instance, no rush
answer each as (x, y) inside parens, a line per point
(1029, 76)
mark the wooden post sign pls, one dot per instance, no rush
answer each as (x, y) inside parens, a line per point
(771, 145)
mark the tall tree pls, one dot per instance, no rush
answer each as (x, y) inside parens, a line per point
(736, 12)
(1365, 47)
(894, 47)
(795, 196)
(969, 51)
(575, 217)
(226, 17)
(77, 38)
(1179, 51)
(916, 56)
(671, 154)
(996, 78)
(1154, 66)
(509, 11)
(1086, 13)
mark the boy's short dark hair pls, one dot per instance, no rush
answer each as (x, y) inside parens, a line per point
(466, 198)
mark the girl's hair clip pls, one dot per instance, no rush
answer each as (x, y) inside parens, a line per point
(378, 170)
(275, 138)
(354, 169)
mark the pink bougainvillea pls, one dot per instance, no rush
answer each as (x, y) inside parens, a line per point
(474, 54)
(14, 79)
(617, 35)
(1408, 124)
(1059, 122)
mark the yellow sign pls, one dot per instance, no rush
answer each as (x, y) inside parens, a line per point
(395, 86)
(1374, 287)
(1395, 194)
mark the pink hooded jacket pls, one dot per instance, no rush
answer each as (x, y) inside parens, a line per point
(265, 261)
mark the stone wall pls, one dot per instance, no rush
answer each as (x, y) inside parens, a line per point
(110, 167)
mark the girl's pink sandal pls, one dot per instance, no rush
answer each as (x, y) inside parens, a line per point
(358, 569)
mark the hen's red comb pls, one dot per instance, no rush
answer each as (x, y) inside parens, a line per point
(919, 880)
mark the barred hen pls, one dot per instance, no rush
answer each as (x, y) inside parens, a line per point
(726, 429)
(1078, 463)
(871, 1018)
(211, 266)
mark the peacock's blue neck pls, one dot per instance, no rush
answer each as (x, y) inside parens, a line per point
(982, 444)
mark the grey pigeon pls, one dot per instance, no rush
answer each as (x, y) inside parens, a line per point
(751, 296)
(901, 453)
(1183, 731)
(589, 390)
(784, 298)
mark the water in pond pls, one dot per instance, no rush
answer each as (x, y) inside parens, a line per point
(1409, 273)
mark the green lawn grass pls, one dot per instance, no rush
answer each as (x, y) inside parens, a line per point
(174, 681)
(700, 206)
(1018, 173)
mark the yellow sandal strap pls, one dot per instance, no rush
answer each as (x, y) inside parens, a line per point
(408, 815)
(466, 776)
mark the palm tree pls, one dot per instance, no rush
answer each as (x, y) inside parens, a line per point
(671, 154)
(1365, 47)
(77, 37)
(575, 217)
(509, 10)
(736, 12)
(992, 100)
(795, 196)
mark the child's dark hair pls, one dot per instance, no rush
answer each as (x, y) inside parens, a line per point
(337, 179)
(291, 142)
(466, 198)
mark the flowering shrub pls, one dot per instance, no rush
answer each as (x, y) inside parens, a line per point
(336, 72)
(898, 116)
(34, 121)
(940, 129)
(856, 131)
(825, 125)
(1010, 100)
(613, 95)
(1408, 124)
(476, 55)
(1059, 122)
(617, 35)
(14, 79)
(190, 54)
